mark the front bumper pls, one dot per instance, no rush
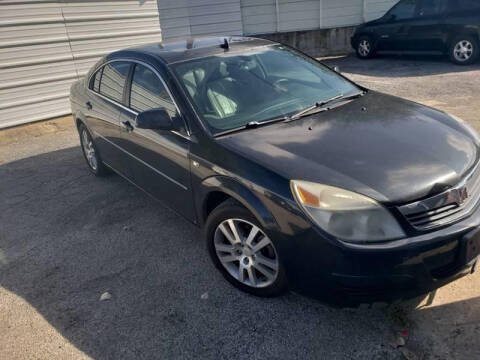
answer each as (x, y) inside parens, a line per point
(346, 274)
(409, 273)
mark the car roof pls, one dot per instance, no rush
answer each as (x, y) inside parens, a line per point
(190, 48)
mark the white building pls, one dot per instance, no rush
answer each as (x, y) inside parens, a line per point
(47, 45)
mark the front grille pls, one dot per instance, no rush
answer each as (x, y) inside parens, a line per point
(447, 207)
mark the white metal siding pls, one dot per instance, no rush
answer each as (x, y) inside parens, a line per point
(298, 15)
(377, 8)
(336, 13)
(260, 16)
(180, 18)
(46, 45)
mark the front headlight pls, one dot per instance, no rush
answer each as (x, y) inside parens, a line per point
(345, 214)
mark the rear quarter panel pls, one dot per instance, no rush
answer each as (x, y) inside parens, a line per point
(78, 99)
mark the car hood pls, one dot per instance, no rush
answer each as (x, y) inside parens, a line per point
(390, 149)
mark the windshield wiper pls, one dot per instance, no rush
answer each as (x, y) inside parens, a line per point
(321, 105)
(252, 125)
(318, 105)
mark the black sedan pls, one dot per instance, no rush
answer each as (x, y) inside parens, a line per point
(450, 27)
(300, 178)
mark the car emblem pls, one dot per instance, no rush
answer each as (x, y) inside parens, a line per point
(462, 195)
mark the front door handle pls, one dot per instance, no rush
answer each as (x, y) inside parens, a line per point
(126, 124)
(89, 105)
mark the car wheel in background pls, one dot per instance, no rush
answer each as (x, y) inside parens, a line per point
(464, 50)
(242, 251)
(90, 153)
(365, 48)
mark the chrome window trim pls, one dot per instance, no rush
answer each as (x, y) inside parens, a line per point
(129, 109)
(141, 161)
(112, 101)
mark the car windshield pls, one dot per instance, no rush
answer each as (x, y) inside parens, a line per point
(231, 90)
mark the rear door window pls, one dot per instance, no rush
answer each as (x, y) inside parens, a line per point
(432, 7)
(468, 4)
(112, 82)
(405, 9)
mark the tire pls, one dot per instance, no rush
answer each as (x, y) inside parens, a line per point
(464, 50)
(90, 153)
(239, 254)
(365, 48)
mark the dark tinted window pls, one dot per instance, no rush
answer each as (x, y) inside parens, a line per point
(468, 4)
(148, 91)
(432, 7)
(95, 84)
(405, 9)
(113, 80)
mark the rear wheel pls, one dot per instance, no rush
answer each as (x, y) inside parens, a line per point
(464, 50)
(365, 48)
(242, 251)
(90, 152)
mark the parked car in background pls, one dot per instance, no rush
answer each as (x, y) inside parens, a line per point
(300, 178)
(450, 27)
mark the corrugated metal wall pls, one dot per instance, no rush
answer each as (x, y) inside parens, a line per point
(267, 16)
(377, 8)
(46, 45)
(341, 12)
(180, 18)
(259, 16)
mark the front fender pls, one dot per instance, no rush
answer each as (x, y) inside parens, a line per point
(235, 189)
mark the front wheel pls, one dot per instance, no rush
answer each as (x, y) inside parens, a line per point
(243, 252)
(365, 48)
(464, 50)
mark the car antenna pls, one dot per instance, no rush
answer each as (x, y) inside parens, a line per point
(225, 44)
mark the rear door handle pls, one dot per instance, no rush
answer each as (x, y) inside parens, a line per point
(89, 105)
(126, 124)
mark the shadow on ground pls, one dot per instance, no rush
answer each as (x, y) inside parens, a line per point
(66, 237)
(455, 327)
(404, 65)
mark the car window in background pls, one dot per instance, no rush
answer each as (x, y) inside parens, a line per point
(232, 90)
(113, 80)
(405, 9)
(148, 92)
(468, 4)
(432, 7)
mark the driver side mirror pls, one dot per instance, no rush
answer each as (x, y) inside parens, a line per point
(154, 119)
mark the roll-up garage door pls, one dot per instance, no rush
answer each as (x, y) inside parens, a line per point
(47, 45)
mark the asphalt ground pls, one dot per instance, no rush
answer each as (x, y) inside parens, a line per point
(67, 237)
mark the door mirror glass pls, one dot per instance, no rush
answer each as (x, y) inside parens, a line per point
(154, 119)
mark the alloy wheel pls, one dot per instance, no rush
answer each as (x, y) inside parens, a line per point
(463, 51)
(364, 48)
(89, 150)
(246, 253)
